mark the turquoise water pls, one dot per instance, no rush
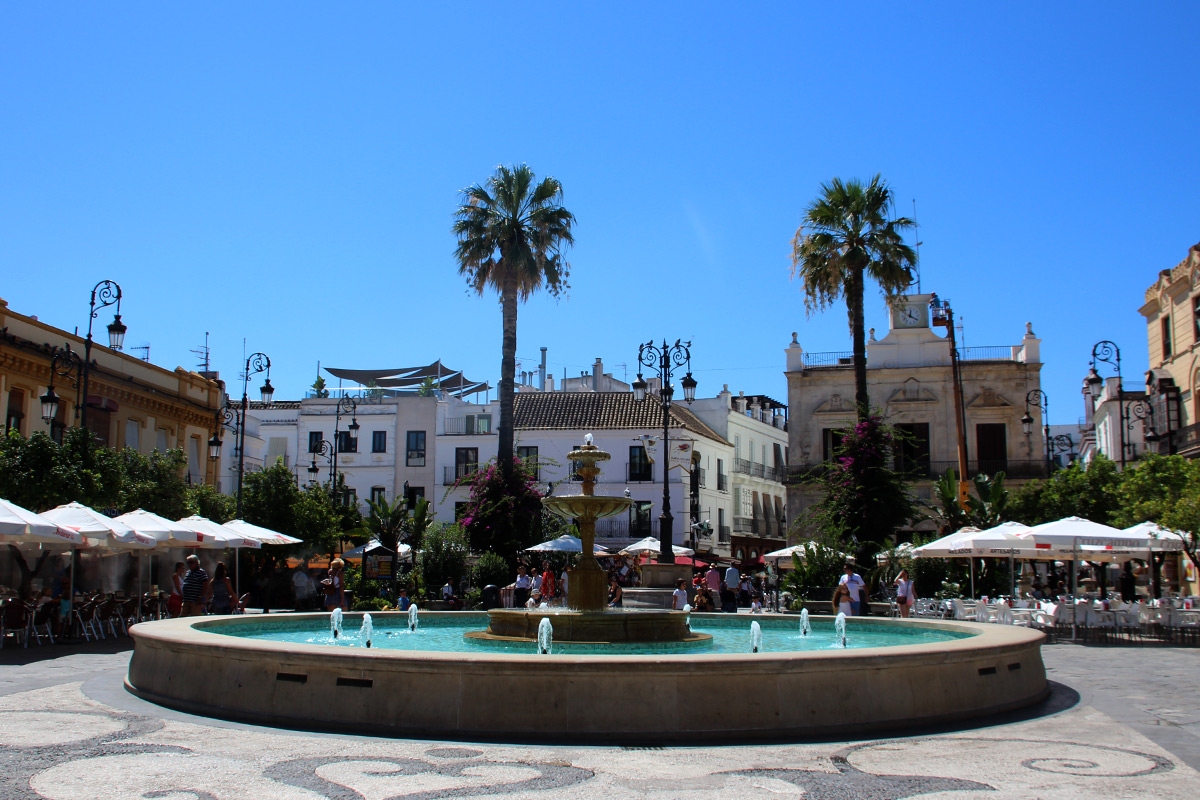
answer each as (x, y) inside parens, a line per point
(444, 634)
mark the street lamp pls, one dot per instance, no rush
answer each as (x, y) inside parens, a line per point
(324, 449)
(1107, 352)
(104, 294)
(663, 360)
(67, 364)
(1037, 397)
(346, 405)
(236, 416)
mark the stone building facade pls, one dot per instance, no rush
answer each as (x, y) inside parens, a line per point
(910, 380)
(131, 403)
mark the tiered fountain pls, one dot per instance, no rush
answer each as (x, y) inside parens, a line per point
(588, 618)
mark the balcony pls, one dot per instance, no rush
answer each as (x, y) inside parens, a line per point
(745, 525)
(1187, 440)
(723, 535)
(468, 426)
(932, 470)
(452, 475)
(741, 465)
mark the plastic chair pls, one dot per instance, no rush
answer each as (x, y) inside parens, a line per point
(15, 621)
(40, 623)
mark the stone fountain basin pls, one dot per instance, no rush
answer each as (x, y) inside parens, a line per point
(618, 699)
(584, 505)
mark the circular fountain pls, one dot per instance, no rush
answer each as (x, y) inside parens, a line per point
(587, 617)
(610, 676)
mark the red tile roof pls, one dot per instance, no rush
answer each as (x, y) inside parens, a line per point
(600, 410)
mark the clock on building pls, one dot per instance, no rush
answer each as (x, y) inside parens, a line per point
(910, 315)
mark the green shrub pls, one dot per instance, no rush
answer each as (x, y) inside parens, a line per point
(491, 569)
(370, 604)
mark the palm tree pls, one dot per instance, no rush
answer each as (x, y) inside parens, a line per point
(511, 233)
(386, 523)
(846, 234)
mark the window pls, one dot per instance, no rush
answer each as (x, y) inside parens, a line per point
(641, 517)
(831, 440)
(378, 441)
(1166, 337)
(1196, 319)
(530, 456)
(639, 465)
(414, 493)
(912, 450)
(378, 494)
(414, 447)
(347, 442)
(466, 461)
(131, 434)
(314, 441)
(991, 443)
(16, 411)
(350, 497)
(722, 481)
(737, 446)
(478, 423)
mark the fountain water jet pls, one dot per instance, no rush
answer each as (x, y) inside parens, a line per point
(412, 618)
(755, 637)
(365, 631)
(335, 622)
(545, 636)
(804, 626)
(839, 628)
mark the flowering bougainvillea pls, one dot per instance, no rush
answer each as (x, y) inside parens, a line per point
(864, 499)
(502, 515)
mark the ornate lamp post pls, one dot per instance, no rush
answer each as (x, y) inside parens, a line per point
(1108, 353)
(235, 416)
(325, 450)
(1061, 443)
(662, 360)
(64, 363)
(345, 405)
(104, 294)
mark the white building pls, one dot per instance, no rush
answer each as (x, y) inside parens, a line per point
(756, 426)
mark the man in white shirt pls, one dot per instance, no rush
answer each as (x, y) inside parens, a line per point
(679, 597)
(854, 582)
(732, 578)
(303, 586)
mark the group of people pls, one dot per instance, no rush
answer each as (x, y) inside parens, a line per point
(194, 593)
(544, 586)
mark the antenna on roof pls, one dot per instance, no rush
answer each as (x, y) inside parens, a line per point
(917, 246)
(145, 351)
(201, 353)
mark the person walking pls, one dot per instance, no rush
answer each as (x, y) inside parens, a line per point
(853, 582)
(222, 591)
(548, 589)
(335, 586)
(904, 594)
(302, 586)
(841, 600)
(713, 579)
(195, 589)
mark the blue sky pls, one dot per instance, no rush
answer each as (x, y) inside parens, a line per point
(285, 173)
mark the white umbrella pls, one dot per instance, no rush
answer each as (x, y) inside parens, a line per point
(264, 535)
(1076, 538)
(973, 543)
(651, 545)
(165, 532)
(404, 550)
(567, 544)
(1160, 538)
(803, 550)
(98, 529)
(214, 535)
(902, 550)
(18, 525)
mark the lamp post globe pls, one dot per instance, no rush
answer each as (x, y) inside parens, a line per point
(49, 405)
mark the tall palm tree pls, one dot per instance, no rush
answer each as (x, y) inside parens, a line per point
(845, 236)
(511, 235)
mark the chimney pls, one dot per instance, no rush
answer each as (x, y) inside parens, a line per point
(542, 372)
(739, 403)
(795, 355)
(597, 374)
(549, 384)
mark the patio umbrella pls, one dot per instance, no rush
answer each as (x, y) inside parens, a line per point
(651, 545)
(972, 543)
(1160, 539)
(20, 525)
(565, 544)
(802, 550)
(404, 550)
(264, 535)
(98, 529)
(902, 550)
(165, 532)
(211, 534)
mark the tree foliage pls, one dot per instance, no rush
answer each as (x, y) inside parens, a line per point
(864, 500)
(272, 499)
(444, 556)
(847, 234)
(512, 231)
(987, 509)
(504, 511)
(1075, 491)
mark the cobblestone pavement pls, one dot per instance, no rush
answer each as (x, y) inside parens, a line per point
(1122, 722)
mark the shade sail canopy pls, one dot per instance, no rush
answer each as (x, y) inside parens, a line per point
(443, 377)
(651, 545)
(214, 535)
(264, 535)
(165, 532)
(98, 529)
(20, 525)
